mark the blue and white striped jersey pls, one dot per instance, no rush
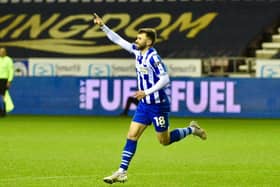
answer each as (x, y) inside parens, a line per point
(149, 68)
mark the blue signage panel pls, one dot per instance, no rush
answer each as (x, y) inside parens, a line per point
(197, 97)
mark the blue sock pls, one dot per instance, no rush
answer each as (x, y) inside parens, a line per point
(128, 152)
(178, 134)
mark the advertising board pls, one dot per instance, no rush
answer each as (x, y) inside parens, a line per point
(195, 97)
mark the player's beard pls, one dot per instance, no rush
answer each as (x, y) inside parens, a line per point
(141, 47)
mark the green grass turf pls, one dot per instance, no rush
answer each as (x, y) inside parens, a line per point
(42, 151)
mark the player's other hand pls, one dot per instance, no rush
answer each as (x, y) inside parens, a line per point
(97, 20)
(139, 94)
(8, 85)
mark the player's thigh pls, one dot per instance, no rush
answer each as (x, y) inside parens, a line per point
(160, 121)
(135, 130)
(161, 125)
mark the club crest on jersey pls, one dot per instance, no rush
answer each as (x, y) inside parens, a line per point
(143, 70)
(157, 63)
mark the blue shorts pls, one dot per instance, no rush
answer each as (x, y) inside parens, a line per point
(153, 113)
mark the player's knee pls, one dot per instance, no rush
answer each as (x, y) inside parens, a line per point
(164, 142)
(132, 136)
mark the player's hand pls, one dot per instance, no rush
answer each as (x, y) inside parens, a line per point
(97, 20)
(8, 85)
(139, 94)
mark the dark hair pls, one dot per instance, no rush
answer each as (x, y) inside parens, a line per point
(150, 32)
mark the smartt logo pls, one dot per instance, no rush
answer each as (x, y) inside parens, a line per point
(43, 70)
(270, 70)
(99, 70)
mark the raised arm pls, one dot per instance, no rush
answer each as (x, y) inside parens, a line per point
(114, 37)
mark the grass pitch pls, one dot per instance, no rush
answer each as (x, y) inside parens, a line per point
(62, 151)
